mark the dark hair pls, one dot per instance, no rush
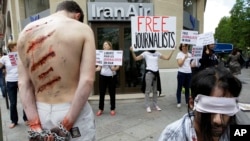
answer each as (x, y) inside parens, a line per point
(234, 51)
(70, 6)
(151, 51)
(204, 82)
(180, 47)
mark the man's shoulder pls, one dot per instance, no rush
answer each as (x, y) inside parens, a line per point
(175, 130)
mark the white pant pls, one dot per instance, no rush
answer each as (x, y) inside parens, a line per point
(51, 114)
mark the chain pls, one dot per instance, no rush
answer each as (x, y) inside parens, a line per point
(66, 132)
(45, 133)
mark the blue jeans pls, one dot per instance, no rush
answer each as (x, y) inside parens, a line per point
(3, 86)
(12, 88)
(183, 80)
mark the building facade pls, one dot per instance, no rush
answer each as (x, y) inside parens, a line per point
(110, 20)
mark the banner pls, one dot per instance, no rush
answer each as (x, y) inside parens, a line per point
(109, 57)
(205, 39)
(197, 52)
(153, 32)
(189, 37)
(13, 56)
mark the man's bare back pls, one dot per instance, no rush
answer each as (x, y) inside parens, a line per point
(52, 54)
(57, 71)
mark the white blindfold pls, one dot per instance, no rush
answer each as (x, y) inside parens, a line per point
(219, 105)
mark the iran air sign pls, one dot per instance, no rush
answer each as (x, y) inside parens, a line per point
(153, 32)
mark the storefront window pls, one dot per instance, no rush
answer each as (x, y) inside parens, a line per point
(190, 6)
(35, 6)
(136, 1)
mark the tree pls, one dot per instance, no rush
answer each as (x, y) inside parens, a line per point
(236, 28)
(223, 33)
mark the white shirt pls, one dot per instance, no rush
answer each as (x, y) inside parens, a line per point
(106, 71)
(151, 60)
(185, 68)
(10, 63)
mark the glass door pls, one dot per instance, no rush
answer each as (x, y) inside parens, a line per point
(130, 74)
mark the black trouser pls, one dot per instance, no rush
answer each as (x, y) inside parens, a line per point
(12, 88)
(104, 83)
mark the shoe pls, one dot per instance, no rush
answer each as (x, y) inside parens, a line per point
(99, 113)
(157, 108)
(179, 105)
(149, 110)
(112, 112)
(12, 125)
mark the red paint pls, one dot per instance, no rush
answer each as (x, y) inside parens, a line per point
(36, 26)
(38, 41)
(43, 60)
(49, 84)
(66, 124)
(44, 74)
(35, 124)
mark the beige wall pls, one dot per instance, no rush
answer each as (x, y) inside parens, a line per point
(200, 14)
(170, 8)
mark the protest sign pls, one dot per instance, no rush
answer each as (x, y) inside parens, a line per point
(189, 37)
(153, 32)
(205, 39)
(99, 57)
(13, 56)
(197, 52)
(109, 57)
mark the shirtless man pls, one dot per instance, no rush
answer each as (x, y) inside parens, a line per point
(56, 75)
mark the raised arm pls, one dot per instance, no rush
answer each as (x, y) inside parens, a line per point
(86, 79)
(164, 57)
(181, 61)
(136, 58)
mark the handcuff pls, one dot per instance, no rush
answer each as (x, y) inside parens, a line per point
(45, 133)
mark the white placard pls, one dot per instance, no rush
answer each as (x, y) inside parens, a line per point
(189, 37)
(99, 57)
(109, 57)
(197, 51)
(153, 32)
(13, 56)
(205, 39)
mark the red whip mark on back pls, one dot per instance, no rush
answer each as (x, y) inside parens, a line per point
(43, 60)
(36, 42)
(49, 84)
(44, 74)
(36, 26)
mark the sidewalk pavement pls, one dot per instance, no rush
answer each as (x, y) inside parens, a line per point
(131, 123)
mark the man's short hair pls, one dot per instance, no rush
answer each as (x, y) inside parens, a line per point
(70, 6)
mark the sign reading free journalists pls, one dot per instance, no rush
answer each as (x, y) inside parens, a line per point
(153, 32)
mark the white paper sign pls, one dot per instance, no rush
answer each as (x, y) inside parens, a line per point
(205, 39)
(153, 32)
(197, 51)
(189, 37)
(109, 57)
(99, 57)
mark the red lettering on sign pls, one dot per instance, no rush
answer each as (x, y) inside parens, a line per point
(152, 24)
